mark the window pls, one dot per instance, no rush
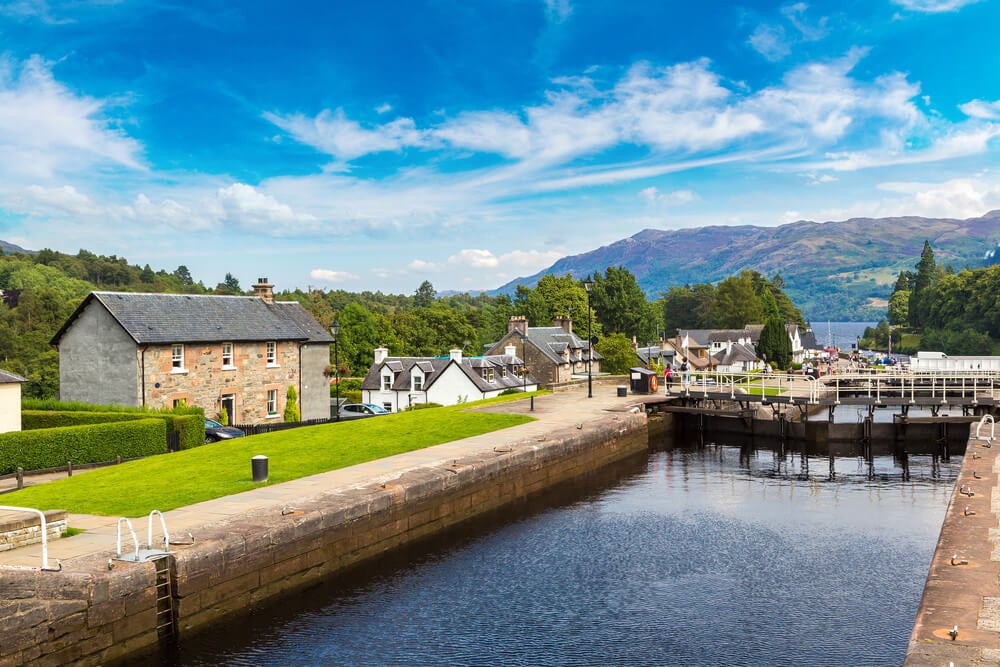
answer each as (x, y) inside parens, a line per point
(272, 402)
(488, 374)
(387, 407)
(503, 372)
(418, 382)
(272, 353)
(386, 382)
(227, 355)
(177, 356)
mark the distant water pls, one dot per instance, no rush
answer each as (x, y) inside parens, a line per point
(843, 334)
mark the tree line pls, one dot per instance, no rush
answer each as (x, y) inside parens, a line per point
(43, 289)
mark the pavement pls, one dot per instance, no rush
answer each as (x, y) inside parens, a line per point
(552, 412)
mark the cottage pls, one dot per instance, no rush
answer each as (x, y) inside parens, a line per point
(10, 401)
(396, 383)
(233, 353)
(554, 354)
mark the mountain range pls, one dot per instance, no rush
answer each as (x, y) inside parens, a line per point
(841, 271)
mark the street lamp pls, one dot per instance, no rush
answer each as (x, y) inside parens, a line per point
(334, 331)
(588, 285)
(524, 363)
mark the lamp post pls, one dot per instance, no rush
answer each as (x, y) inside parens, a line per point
(588, 285)
(334, 331)
(524, 363)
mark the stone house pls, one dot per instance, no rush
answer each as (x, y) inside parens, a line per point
(10, 401)
(554, 354)
(396, 383)
(238, 353)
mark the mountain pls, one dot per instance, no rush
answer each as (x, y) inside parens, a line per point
(842, 271)
(11, 248)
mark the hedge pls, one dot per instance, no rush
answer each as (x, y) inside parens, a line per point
(190, 427)
(91, 443)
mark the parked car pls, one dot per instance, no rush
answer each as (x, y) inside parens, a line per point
(214, 431)
(360, 410)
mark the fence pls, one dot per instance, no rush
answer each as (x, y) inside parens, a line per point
(257, 429)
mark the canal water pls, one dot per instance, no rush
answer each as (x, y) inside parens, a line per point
(707, 555)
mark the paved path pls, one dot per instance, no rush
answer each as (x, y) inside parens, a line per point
(552, 412)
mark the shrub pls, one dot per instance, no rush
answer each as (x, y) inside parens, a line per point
(89, 443)
(423, 406)
(292, 413)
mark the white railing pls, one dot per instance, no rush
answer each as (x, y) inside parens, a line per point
(45, 535)
(941, 387)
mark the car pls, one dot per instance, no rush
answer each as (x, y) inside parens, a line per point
(214, 431)
(361, 410)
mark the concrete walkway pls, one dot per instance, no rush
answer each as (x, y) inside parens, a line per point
(552, 412)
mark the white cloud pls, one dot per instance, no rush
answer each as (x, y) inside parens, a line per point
(981, 109)
(933, 6)
(47, 130)
(775, 43)
(473, 258)
(557, 11)
(344, 139)
(329, 276)
(529, 260)
(421, 265)
(383, 108)
(677, 197)
(245, 205)
(770, 41)
(65, 199)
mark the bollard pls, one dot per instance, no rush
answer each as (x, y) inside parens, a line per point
(532, 403)
(622, 391)
(69, 468)
(258, 466)
(20, 477)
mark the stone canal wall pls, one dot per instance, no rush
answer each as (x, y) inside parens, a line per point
(96, 611)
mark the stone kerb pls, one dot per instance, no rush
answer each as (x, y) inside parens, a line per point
(20, 529)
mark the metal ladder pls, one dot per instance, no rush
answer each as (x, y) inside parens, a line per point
(166, 611)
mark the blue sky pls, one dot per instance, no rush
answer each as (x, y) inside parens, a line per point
(375, 145)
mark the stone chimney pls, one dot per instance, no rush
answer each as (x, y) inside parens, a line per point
(381, 354)
(264, 290)
(456, 354)
(518, 323)
(564, 323)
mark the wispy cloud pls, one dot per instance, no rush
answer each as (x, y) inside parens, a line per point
(981, 109)
(933, 6)
(775, 42)
(329, 276)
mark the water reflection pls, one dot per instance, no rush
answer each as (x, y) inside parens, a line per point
(690, 556)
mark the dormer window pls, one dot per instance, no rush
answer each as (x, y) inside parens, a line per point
(387, 382)
(418, 382)
(488, 374)
(503, 372)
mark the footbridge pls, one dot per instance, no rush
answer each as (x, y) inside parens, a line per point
(973, 392)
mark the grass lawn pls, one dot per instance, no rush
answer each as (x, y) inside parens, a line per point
(174, 480)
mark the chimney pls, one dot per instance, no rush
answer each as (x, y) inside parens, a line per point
(264, 290)
(456, 354)
(564, 323)
(518, 323)
(381, 354)
(510, 351)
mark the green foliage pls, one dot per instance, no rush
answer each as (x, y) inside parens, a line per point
(899, 308)
(292, 413)
(774, 345)
(424, 296)
(40, 414)
(94, 443)
(620, 304)
(423, 406)
(618, 354)
(955, 342)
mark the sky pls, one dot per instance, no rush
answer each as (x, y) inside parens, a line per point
(376, 145)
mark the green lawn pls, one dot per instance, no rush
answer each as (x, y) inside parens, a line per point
(183, 478)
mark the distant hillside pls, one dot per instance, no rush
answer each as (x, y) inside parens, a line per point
(832, 270)
(11, 248)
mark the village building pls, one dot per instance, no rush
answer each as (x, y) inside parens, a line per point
(554, 354)
(232, 354)
(396, 383)
(10, 401)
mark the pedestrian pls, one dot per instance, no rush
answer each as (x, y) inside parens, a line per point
(668, 378)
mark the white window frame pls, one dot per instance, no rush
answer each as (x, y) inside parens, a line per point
(272, 402)
(386, 383)
(271, 353)
(489, 375)
(227, 356)
(418, 382)
(177, 358)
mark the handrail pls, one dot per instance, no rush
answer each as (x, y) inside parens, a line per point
(45, 535)
(149, 531)
(135, 540)
(986, 419)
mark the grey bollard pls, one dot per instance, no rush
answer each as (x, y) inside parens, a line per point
(258, 465)
(622, 391)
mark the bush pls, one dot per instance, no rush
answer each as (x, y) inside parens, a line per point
(89, 443)
(423, 406)
(190, 427)
(292, 413)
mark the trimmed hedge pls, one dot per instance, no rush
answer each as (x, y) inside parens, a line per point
(90, 443)
(190, 427)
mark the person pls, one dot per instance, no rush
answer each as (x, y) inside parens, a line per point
(668, 377)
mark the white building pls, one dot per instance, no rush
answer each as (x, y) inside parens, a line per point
(396, 383)
(10, 401)
(939, 361)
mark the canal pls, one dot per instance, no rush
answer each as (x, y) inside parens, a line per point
(692, 555)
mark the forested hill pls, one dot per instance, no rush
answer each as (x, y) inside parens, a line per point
(832, 270)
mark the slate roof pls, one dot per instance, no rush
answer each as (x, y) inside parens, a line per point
(655, 353)
(552, 341)
(198, 318)
(6, 377)
(736, 354)
(434, 367)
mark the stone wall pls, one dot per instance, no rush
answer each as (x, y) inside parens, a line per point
(21, 530)
(100, 615)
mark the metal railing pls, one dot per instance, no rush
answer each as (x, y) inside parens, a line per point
(45, 535)
(753, 385)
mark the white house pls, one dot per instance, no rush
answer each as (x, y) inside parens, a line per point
(941, 362)
(396, 383)
(10, 401)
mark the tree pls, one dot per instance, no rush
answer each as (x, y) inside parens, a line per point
(899, 308)
(619, 303)
(618, 354)
(292, 413)
(424, 296)
(924, 277)
(736, 303)
(774, 345)
(184, 276)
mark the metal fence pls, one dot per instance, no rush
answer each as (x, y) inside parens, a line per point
(257, 429)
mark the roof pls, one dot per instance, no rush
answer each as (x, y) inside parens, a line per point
(552, 342)
(199, 318)
(655, 353)
(6, 377)
(735, 354)
(434, 367)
